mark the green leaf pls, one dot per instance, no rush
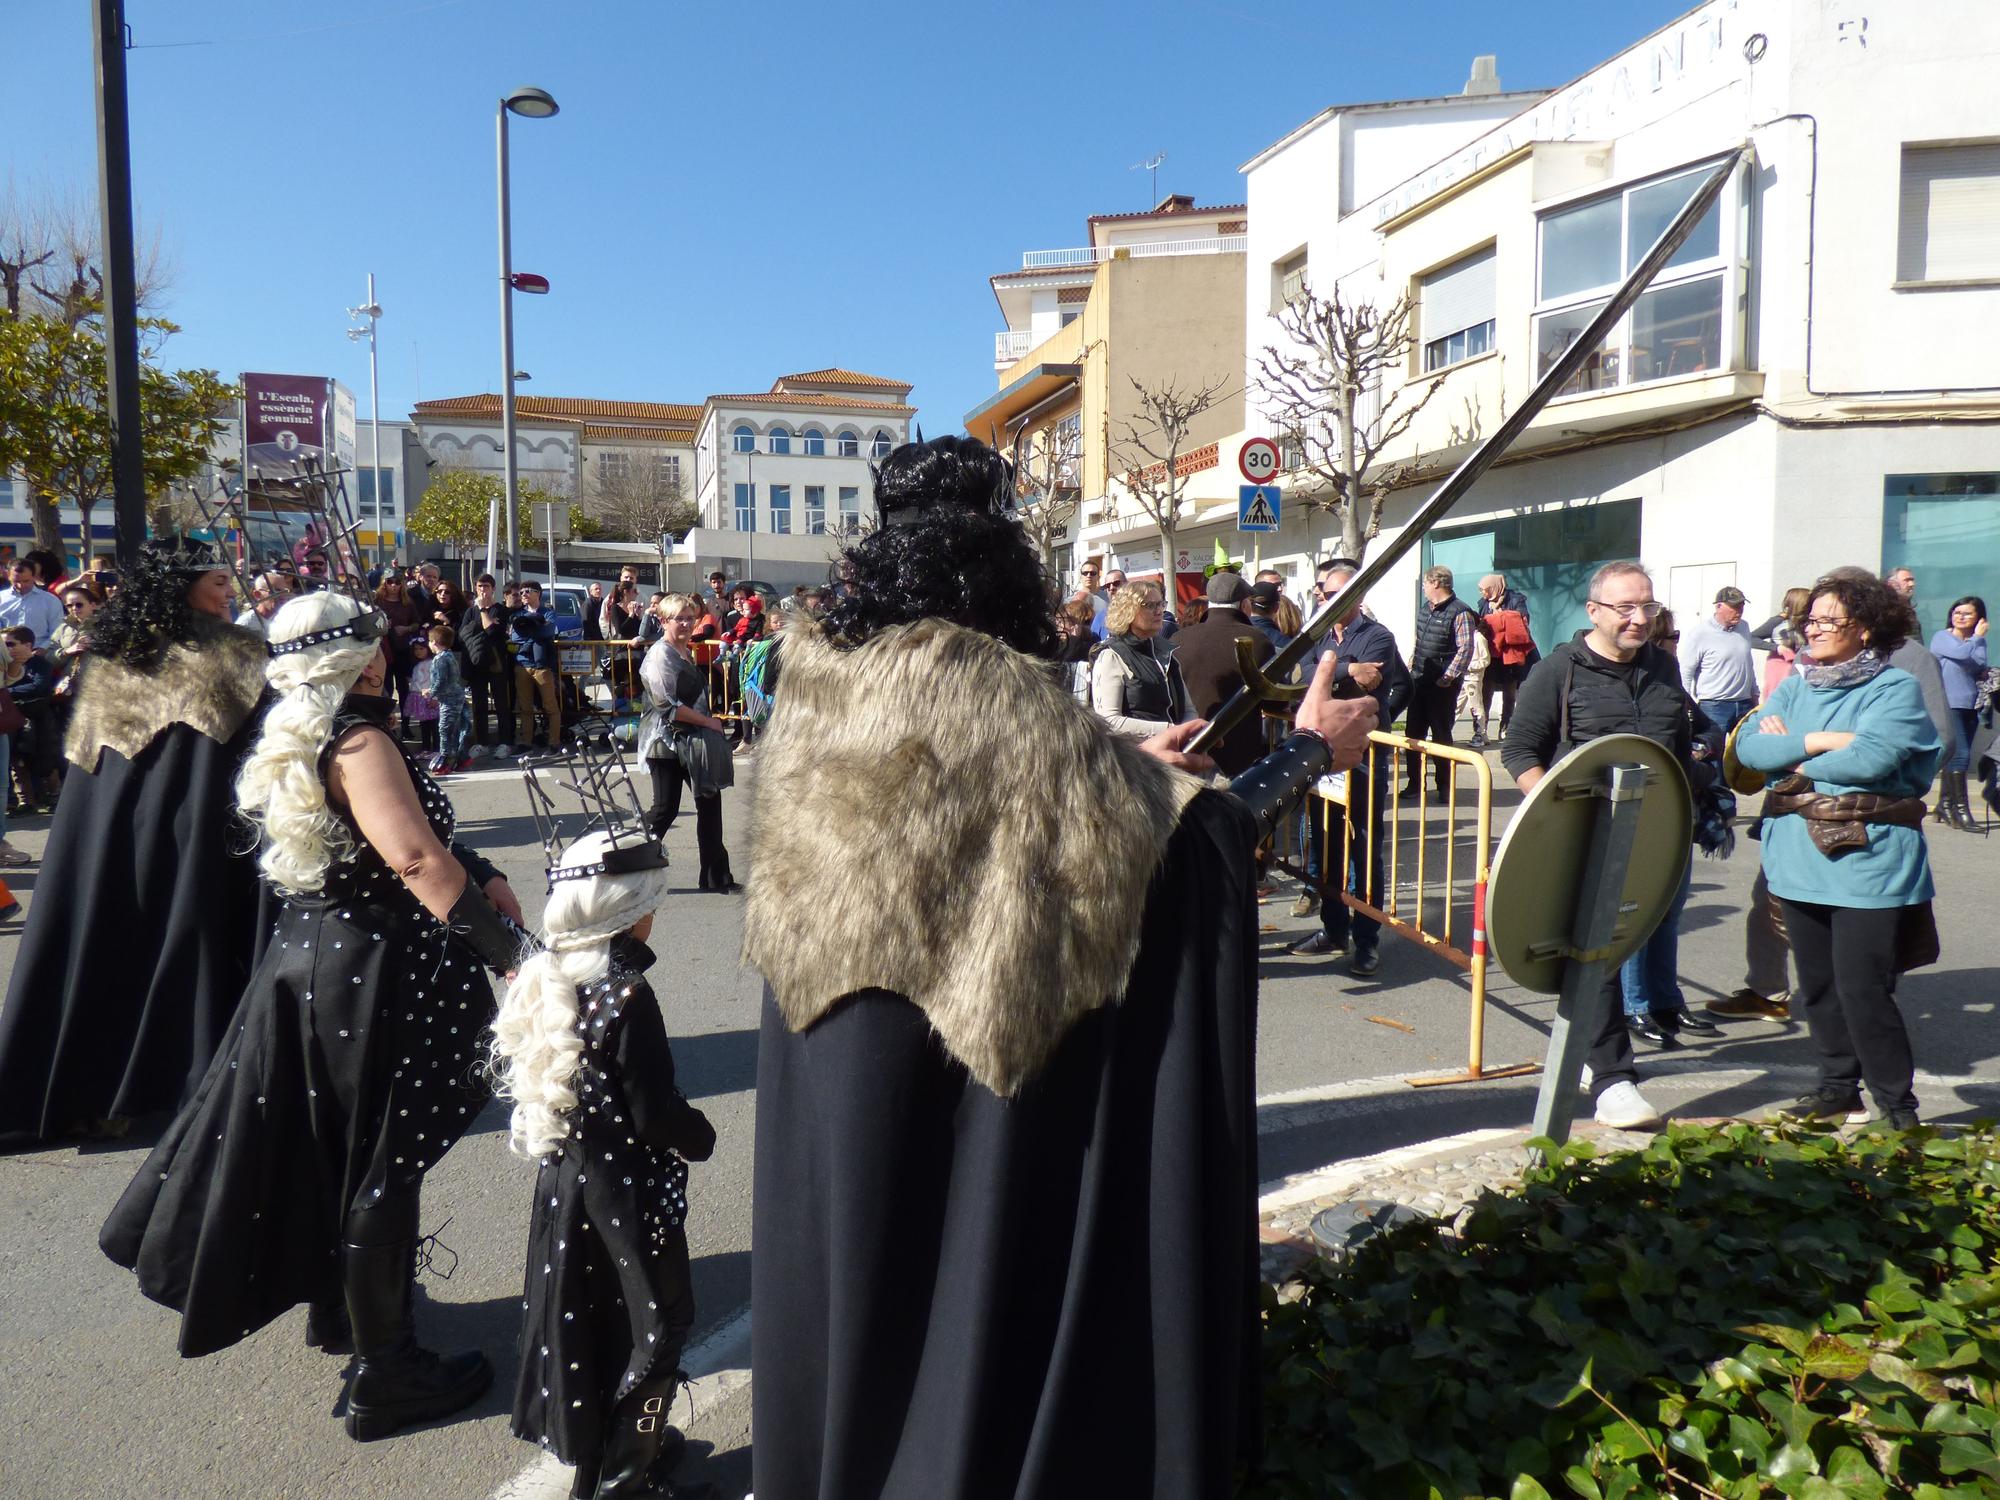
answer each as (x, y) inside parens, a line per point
(1792, 1461)
(1579, 1479)
(1899, 1371)
(1833, 1358)
(1959, 1455)
(1527, 1487)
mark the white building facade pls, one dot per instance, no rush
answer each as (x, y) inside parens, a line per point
(782, 476)
(1812, 381)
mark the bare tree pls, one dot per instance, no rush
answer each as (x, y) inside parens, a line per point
(641, 500)
(49, 252)
(1149, 449)
(1046, 485)
(1314, 388)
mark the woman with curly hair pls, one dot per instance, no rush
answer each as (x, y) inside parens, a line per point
(1135, 685)
(352, 1067)
(1006, 1126)
(1855, 749)
(581, 1048)
(144, 922)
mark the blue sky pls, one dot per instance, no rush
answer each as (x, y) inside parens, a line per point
(731, 191)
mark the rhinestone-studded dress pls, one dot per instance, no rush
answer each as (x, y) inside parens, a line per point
(607, 1302)
(351, 1067)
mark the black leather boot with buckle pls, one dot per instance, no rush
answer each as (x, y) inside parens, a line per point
(397, 1382)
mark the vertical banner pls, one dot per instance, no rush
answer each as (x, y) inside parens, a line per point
(343, 429)
(284, 424)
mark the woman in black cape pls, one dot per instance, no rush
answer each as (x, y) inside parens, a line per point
(144, 922)
(1006, 1162)
(353, 1065)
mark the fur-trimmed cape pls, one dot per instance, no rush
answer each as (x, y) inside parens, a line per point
(1006, 1171)
(936, 816)
(212, 686)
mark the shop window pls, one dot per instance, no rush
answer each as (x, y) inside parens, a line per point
(1548, 555)
(1945, 528)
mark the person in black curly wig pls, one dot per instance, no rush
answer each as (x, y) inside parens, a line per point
(947, 549)
(144, 922)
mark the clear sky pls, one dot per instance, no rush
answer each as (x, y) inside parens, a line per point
(732, 190)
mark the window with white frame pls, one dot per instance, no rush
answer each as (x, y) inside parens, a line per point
(667, 469)
(1288, 281)
(1455, 310)
(364, 491)
(1948, 221)
(745, 438)
(746, 507)
(848, 445)
(815, 510)
(614, 465)
(1066, 448)
(781, 509)
(850, 509)
(6, 493)
(879, 449)
(1684, 324)
(781, 440)
(815, 442)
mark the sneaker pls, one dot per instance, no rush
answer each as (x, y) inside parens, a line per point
(1367, 959)
(1306, 905)
(1745, 1003)
(1827, 1104)
(9, 855)
(1319, 945)
(1477, 742)
(1623, 1107)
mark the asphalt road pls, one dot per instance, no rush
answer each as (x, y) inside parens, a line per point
(94, 1401)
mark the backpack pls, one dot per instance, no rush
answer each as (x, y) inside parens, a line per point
(758, 678)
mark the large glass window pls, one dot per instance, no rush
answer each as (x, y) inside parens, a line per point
(745, 438)
(815, 510)
(1945, 528)
(781, 509)
(1549, 556)
(1683, 325)
(850, 509)
(781, 440)
(364, 492)
(746, 507)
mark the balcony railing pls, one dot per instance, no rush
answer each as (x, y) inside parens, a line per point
(1094, 255)
(1010, 344)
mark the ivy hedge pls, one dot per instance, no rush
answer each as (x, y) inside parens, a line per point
(1731, 1312)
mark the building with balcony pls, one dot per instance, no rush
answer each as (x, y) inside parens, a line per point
(781, 476)
(1809, 383)
(1152, 297)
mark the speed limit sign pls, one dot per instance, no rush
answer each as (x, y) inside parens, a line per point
(1258, 460)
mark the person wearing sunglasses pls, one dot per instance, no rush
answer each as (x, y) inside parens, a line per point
(1853, 750)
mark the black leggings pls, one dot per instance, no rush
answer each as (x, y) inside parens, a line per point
(668, 784)
(1847, 982)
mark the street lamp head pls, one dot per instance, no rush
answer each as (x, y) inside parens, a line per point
(520, 375)
(529, 281)
(367, 310)
(531, 104)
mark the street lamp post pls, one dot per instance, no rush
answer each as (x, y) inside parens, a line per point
(530, 104)
(371, 310)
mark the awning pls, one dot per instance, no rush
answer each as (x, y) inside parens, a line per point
(992, 417)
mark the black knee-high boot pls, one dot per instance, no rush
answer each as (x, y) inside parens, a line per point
(642, 1446)
(396, 1381)
(715, 874)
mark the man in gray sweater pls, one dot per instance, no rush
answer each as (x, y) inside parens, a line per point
(1716, 665)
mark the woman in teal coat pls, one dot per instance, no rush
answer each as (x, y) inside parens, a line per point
(1844, 845)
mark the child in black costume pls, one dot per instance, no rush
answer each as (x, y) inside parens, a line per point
(581, 1049)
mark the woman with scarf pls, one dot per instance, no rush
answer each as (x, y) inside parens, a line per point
(352, 1064)
(1854, 750)
(682, 743)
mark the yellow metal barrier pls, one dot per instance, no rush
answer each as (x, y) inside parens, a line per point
(1410, 919)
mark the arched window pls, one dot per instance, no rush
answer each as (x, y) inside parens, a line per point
(879, 449)
(848, 445)
(815, 443)
(746, 439)
(781, 440)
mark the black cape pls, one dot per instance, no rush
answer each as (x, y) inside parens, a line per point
(962, 1295)
(142, 930)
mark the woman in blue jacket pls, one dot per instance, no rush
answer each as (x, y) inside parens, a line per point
(1854, 751)
(1961, 652)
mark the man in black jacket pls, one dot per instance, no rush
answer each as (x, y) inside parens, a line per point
(1439, 660)
(1608, 680)
(482, 630)
(1366, 661)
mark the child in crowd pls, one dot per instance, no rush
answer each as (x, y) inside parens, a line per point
(449, 693)
(581, 1049)
(420, 709)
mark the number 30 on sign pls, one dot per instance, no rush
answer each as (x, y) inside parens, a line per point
(1258, 460)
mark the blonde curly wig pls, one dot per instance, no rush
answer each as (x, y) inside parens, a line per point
(536, 1046)
(279, 789)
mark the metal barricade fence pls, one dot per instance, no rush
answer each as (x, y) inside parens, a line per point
(1436, 900)
(614, 666)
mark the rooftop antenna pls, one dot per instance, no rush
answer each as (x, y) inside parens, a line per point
(1152, 166)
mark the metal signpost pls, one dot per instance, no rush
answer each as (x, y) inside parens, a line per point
(553, 519)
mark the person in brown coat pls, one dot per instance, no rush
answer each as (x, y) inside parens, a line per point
(1207, 656)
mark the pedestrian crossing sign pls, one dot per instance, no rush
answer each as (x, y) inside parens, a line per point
(1259, 507)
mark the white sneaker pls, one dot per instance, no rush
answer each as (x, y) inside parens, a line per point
(1623, 1107)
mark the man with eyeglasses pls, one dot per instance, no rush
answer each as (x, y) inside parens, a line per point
(1088, 587)
(1611, 680)
(1717, 667)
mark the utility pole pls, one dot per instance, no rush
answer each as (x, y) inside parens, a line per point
(371, 310)
(121, 284)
